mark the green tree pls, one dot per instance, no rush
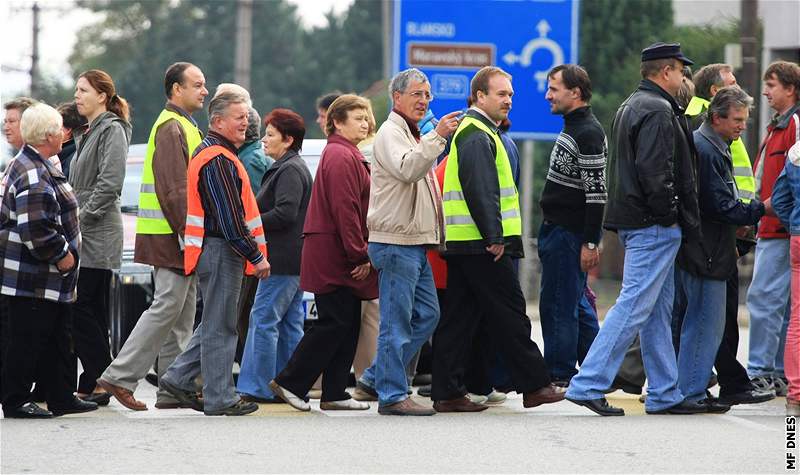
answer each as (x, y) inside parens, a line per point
(137, 41)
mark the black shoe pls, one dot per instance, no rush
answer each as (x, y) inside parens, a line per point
(101, 399)
(187, 398)
(753, 396)
(625, 386)
(685, 407)
(422, 380)
(241, 408)
(76, 406)
(599, 406)
(714, 406)
(151, 378)
(561, 383)
(424, 391)
(260, 400)
(27, 411)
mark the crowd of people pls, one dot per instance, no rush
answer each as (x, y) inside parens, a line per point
(409, 237)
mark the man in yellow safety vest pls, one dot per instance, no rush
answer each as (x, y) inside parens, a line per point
(164, 330)
(483, 231)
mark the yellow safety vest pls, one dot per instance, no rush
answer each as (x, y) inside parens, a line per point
(459, 225)
(742, 168)
(150, 219)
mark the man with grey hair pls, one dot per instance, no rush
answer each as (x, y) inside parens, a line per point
(223, 235)
(404, 218)
(704, 266)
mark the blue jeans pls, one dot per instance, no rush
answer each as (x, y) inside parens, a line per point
(768, 304)
(644, 306)
(569, 324)
(409, 315)
(276, 327)
(701, 332)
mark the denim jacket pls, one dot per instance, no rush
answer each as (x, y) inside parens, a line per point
(786, 192)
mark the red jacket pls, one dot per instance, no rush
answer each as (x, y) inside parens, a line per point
(438, 265)
(335, 231)
(782, 133)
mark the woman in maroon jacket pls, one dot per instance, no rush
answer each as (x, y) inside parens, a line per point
(334, 264)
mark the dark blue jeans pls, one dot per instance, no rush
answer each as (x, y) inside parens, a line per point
(569, 323)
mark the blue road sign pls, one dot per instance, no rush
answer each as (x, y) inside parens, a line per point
(450, 40)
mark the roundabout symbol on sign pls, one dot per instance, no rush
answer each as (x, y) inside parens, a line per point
(542, 42)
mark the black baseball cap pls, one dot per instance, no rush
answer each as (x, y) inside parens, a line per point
(665, 50)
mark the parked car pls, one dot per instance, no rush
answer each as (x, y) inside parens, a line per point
(131, 290)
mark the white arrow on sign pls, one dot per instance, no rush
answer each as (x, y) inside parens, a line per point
(542, 42)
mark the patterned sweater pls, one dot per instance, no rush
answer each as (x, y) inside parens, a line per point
(575, 191)
(38, 226)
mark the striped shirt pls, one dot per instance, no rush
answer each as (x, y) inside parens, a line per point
(221, 194)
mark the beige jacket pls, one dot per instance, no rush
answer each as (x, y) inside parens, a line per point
(405, 203)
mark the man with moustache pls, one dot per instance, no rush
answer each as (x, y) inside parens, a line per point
(483, 233)
(652, 205)
(164, 329)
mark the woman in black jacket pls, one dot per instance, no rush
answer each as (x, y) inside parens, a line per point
(276, 319)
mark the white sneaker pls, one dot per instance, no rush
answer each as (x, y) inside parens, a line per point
(495, 398)
(346, 405)
(478, 398)
(289, 397)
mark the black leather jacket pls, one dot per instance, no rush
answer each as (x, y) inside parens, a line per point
(652, 166)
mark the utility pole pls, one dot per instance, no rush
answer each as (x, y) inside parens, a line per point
(244, 43)
(387, 20)
(35, 76)
(749, 77)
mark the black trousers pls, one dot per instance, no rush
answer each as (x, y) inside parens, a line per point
(476, 285)
(38, 346)
(732, 376)
(90, 326)
(327, 348)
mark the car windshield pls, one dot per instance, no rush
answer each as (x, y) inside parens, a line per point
(130, 189)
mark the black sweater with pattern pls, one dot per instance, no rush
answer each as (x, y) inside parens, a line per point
(575, 191)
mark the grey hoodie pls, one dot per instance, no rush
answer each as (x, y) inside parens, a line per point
(96, 174)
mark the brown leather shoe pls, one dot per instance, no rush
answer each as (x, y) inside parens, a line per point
(124, 396)
(406, 407)
(546, 395)
(462, 404)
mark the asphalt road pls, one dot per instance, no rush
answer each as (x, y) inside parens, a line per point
(561, 438)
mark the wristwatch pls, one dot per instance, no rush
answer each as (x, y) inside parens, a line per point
(590, 245)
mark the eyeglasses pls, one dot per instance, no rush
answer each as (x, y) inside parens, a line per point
(422, 95)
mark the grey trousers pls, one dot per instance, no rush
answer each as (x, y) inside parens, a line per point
(213, 345)
(163, 330)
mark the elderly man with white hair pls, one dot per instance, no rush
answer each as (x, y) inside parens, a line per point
(40, 245)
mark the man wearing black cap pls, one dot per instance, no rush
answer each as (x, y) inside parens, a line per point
(652, 205)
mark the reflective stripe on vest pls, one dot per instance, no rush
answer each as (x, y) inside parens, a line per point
(459, 225)
(195, 215)
(742, 168)
(150, 219)
(743, 171)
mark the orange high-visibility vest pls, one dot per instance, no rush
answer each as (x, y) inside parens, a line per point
(195, 215)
